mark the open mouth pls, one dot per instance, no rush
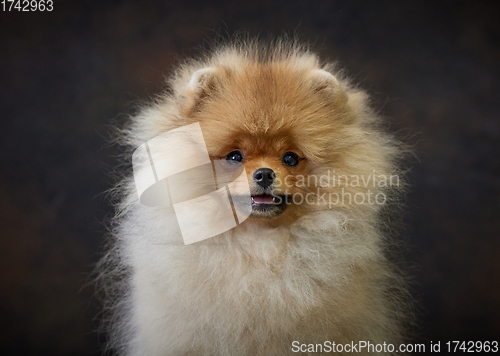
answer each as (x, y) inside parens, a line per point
(263, 199)
(264, 205)
(268, 206)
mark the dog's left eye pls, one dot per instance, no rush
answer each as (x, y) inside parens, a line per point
(234, 157)
(290, 159)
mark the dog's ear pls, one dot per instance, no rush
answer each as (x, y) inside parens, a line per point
(323, 81)
(328, 87)
(331, 93)
(203, 84)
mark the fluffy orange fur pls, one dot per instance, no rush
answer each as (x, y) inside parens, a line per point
(313, 273)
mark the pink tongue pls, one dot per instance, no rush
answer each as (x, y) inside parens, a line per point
(263, 199)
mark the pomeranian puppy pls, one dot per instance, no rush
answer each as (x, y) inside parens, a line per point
(305, 272)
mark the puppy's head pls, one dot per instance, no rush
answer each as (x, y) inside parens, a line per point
(277, 119)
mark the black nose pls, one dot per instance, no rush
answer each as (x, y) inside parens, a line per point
(264, 177)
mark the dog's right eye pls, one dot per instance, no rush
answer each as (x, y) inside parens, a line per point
(234, 157)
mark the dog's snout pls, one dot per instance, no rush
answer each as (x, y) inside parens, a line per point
(264, 177)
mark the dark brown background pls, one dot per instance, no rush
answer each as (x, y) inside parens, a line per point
(431, 67)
